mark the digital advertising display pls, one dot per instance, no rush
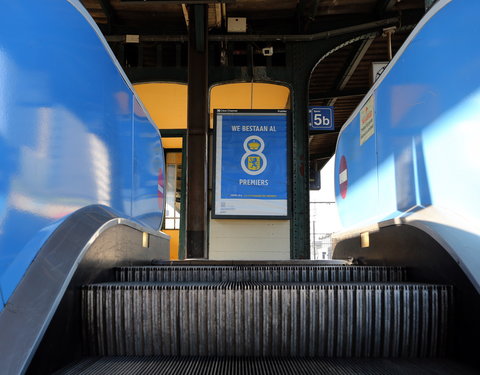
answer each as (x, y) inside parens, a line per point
(251, 164)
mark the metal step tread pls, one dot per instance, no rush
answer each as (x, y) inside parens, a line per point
(263, 366)
(291, 272)
(288, 262)
(248, 285)
(267, 319)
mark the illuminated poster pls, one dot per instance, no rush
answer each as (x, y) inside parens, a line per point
(251, 163)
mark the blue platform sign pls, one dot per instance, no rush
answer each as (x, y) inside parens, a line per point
(321, 118)
(251, 163)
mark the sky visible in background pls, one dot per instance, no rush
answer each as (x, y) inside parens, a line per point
(323, 210)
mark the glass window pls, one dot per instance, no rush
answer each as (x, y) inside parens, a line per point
(173, 194)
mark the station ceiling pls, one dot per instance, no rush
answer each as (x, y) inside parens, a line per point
(341, 79)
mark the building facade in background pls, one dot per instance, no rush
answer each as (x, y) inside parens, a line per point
(324, 220)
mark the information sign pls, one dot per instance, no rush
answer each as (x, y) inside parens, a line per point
(367, 120)
(321, 118)
(251, 164)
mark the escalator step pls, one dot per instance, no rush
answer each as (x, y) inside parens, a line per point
(264, 366)
(286, 262)
(282, 273)
(267, 319)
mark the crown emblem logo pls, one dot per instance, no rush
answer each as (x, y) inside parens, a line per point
(254, 145)
(254, 160)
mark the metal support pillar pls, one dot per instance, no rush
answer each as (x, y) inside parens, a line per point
(197, 132)
(301, 60)
(300, 227)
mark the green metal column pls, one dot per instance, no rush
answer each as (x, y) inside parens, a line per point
(300, 226)
(197, 132)
(301, 60)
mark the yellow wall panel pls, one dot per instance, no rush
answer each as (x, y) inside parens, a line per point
(165, 102)
(174, 241)
(267, 96)
(248, 96)
(224, 96)
(172, 142)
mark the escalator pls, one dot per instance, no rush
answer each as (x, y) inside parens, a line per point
(301, 317)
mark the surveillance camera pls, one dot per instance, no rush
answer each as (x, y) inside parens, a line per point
(268, 51)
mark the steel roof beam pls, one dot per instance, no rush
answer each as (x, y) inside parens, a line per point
(339, 94)
(191, 2)
(352, 66)
(268, 38)
(109, 13)
(385, 6)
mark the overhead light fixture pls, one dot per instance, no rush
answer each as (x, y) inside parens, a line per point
(388, 31)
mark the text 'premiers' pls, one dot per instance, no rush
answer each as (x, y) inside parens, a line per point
(245, 181)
